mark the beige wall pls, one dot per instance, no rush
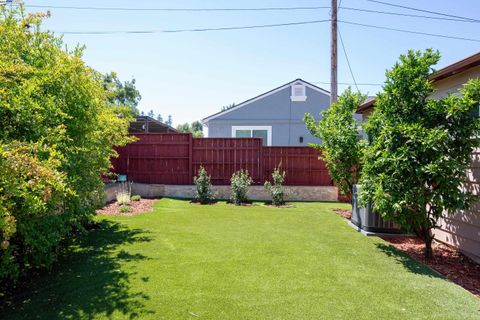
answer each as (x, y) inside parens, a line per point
(292, 193)
(463, 228)
(454, 83)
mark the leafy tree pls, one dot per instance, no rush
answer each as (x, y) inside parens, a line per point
(121, 93)
(230, 106)
(151, 114)
(416, 163)
(169, 121)
(159, 118)
(341, 147)
(184, 127)
(196, 128)
(58, 130)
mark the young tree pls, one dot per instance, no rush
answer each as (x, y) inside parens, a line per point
(420, 148)
(159, 118)
(169, 121)
(204, 186)
(341, 147)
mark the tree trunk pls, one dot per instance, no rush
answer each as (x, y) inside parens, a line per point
(428, 247)
(425, 234)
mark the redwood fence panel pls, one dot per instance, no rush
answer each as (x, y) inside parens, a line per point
(175, 158)
(221, 157)
(156, 158)
(301, 164)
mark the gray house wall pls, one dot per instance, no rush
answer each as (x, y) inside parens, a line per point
(278, 111)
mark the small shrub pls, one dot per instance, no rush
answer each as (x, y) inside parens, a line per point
(204, 186)
(124, 194)
(240, 181)
(276, 188)
(125, 208)
(136, 198)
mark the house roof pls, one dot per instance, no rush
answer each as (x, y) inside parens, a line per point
(446, 72)
(263, 95)
(149, 124)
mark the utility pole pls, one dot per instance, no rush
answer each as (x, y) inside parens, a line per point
(333, 55)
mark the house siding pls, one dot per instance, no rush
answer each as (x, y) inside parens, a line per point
(462, 229)
(278, 111)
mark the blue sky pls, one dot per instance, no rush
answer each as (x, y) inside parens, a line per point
(192, 75)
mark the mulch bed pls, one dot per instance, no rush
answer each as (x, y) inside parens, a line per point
(347, 214)
(144, 205)
(447, 260)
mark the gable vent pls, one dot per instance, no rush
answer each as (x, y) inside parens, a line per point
(298, 92)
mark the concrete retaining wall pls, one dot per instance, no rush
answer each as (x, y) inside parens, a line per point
(292, 193)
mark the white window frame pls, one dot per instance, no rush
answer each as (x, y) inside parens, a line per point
(301, 86)
(267, 128)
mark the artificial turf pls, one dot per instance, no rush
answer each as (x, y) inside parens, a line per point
(187, 261)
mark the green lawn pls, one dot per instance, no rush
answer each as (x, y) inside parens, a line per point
(186, 261)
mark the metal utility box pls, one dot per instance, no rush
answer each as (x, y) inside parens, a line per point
(369, 221)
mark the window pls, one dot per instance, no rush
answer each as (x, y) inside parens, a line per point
(298, 92)
(264, 132)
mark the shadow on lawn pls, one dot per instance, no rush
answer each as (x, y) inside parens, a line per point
(86, 282)
(408, 262)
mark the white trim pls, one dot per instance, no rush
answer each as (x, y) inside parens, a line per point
(247, 102)
(268, 128)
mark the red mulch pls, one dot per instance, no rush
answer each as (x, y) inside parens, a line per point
(446, 260)
(347, 214)
(144, 205)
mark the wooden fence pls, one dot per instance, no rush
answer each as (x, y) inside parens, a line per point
(176, 159)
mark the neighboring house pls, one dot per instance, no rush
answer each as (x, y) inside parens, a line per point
(275, 116)
(149, 124)
(462, 229)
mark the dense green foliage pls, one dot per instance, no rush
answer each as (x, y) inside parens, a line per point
(342, 150)
(185, 261)
(421, 148)
(122, 94)
(196, 128)
(56, 138)
(240, 182)
(203, 186)
(276, 187)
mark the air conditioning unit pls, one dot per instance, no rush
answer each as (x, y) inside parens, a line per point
(366, 220)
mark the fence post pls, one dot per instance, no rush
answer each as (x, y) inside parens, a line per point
(190, 158)
(261, 163)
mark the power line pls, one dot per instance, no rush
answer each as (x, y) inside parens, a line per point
(409, 15)
(410, 31)
(195, 30)
(423, 10)
(348, 83)
(348, 60)
(177, 9)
